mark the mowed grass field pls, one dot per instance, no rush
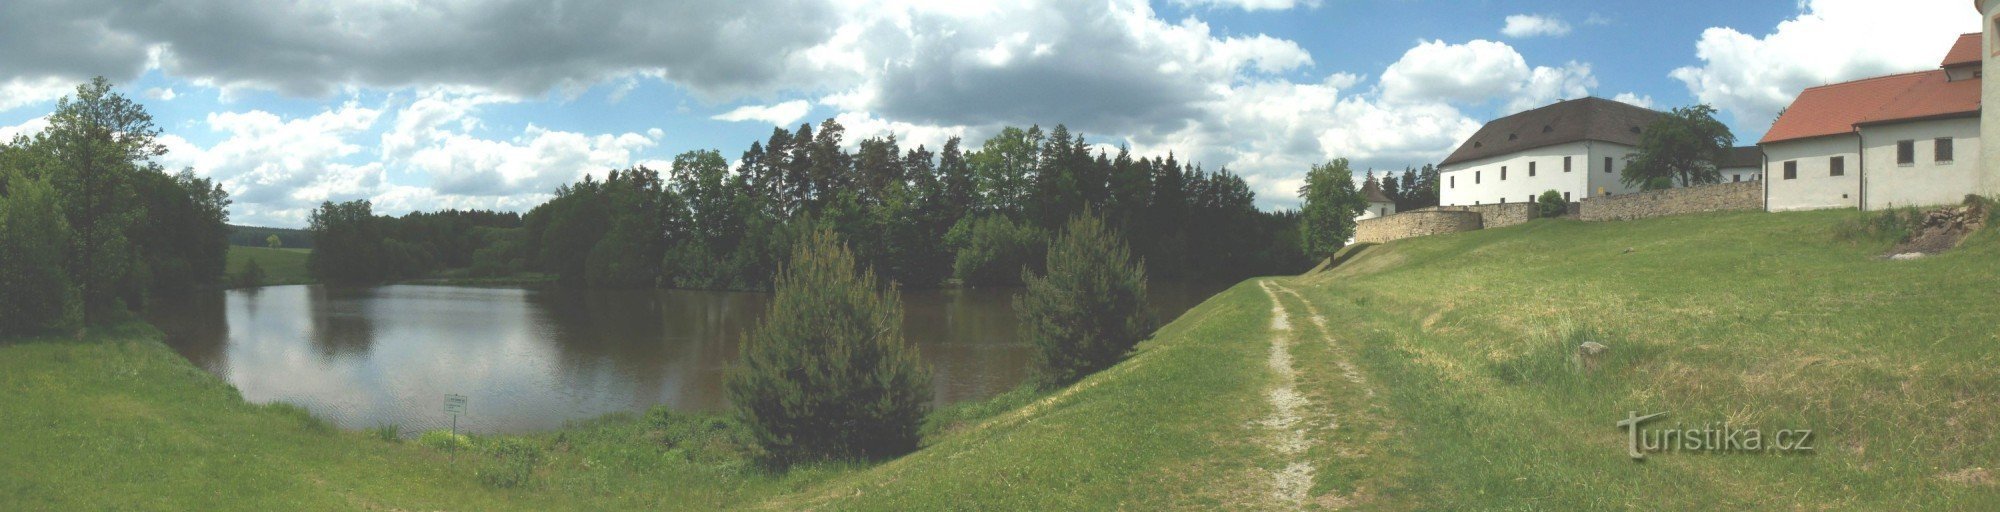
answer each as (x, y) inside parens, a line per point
(281, 266)
(1424, 374)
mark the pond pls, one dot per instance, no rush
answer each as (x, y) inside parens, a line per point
(534, 359)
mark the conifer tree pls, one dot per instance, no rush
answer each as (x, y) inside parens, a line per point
(827, 374)
(1089, 308)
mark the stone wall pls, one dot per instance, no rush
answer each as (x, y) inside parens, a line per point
(1497, 215)
(1748, 195)
(1413, 224)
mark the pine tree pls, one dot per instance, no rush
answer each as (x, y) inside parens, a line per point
(827, 375)
(1089, 309)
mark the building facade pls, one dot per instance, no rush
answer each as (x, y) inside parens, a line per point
(1575, 147)
(1911, 139)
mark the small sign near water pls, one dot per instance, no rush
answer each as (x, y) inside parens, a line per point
(454, 404)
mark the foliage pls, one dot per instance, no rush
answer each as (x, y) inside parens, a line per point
(253, 236)
(1089, 309)
(1552, 204)
(274, 242)
(251, 276)
(827, 375)
(444, 440)
(134, 231)
(1331, 204)
(353, 245)
(1681, 148)
(994, 250)
(39, 296)
(507, 462)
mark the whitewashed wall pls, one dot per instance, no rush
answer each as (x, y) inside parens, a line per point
(1927, 182)
(1814, 188)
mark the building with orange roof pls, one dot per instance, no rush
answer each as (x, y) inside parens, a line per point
(1911, 139)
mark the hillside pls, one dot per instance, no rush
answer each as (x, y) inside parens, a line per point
(254, 236)
(1422, 374)
(281, 266)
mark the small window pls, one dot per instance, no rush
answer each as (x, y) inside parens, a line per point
(1566, 164)
(1737, 178)
(1478, 144)
(1475, 177)
(1512, 136)
(1547, 128)
(1382, 212)
(1607, 165)
(1503, 200)
(1906, 152)
(1454, 182)
(1503, 173)
(1531, 198)
(1565, 197)
(1475, 203)
(1792, 170)
(1943, 151)
(1531, 169)
(1836, 166)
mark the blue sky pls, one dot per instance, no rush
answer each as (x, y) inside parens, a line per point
(492, 103)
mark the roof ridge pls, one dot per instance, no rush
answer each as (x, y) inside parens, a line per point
(1874, 78)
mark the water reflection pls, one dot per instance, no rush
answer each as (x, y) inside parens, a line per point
(534, 359)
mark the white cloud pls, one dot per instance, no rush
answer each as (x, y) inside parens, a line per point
(1534, 25)
(1753, 77)
(1251, 5)
(783, 114)
(1478, 72)
(1547, 85)
(29, 128)
(162, 93)
(1634, 99)
(20, 92)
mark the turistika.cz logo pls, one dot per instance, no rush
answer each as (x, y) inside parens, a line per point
(1709, 437)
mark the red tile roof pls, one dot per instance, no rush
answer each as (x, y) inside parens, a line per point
(1834, 109)
(1965, 51)
(1932, 96)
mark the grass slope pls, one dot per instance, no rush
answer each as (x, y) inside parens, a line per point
(1433, 373)
(281, 266)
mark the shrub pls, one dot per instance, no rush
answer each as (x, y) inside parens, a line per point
(1089, 309)
(993, 250)
(445, 440)
(252, 275)
(826, 375)
(386, 431)
(701, 438)
(507, 462)
(39, 296)
(1553, 205)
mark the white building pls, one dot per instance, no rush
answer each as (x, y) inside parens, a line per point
(1379, 204)
(1575, 147)
(1901, 140)
(1741, 164)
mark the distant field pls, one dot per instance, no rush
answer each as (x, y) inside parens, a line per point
(281, 266)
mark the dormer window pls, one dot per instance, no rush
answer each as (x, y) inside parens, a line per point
(1547, 128)
(1478, 144)
(1511, 136)
(1635, 129)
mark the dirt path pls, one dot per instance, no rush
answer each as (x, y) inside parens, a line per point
(1292, 485)
(1350, 436)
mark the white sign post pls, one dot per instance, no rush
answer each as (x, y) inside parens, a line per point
(454, 405)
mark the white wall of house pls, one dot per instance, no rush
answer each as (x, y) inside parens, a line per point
(1814, 187)
(1989, 157)
(1377, 210)
(1927, 181)
(1607, 160)
(1481, 182)
(1736, 174)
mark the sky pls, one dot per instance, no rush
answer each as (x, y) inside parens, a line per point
(492, 104)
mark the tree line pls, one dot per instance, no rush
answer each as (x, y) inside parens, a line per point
(92, 227)
(917, 216)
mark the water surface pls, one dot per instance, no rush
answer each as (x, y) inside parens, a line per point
(535, 359)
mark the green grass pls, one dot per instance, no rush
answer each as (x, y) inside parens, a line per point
(281, 266)
(1444, 378)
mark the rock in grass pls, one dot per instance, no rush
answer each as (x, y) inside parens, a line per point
(1591, 354)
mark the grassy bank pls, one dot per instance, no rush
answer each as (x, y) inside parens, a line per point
(1435, 373)
(1770, 321)
(281, 266)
